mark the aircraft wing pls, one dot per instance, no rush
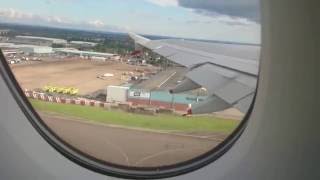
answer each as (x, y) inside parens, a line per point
(227, 71)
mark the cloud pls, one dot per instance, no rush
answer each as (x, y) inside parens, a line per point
(235, 9)
(60, 1)
(164, 3)
(15, 16)
(97, 23)
(248, 9)
(231, 21)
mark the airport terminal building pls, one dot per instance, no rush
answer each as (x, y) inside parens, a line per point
(40, 50)
(38, 41)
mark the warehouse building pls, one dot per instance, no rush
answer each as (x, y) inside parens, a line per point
(38, 41)
(82, 44)
(4, 32)
(7, 45)
(27, 49)
(86, 54)
(4, 35)
(36, 50)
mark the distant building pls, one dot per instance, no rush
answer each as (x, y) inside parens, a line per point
(4, 35)
(7, 45)
(39, 41)
(4, 32)
(27, 49)
(82, 44)
(36, 50)
(88, 54)
(4, 39)
(98, 58)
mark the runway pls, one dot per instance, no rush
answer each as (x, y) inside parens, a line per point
(131, 147)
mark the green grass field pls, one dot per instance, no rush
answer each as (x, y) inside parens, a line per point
(158, 122)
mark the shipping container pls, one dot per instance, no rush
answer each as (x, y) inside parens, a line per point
(117, 94)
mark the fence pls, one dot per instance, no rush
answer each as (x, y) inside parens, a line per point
(56, 99)
(158, 99)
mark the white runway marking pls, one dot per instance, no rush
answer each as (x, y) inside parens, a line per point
(119, 149)
(162, 153)
(167, 79)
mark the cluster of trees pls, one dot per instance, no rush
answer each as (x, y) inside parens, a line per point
(118, 43)
(121, 47)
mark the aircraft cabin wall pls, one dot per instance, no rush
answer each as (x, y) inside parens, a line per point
(281, 140)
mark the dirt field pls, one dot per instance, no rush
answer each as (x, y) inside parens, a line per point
(81, 74)
(131, 147)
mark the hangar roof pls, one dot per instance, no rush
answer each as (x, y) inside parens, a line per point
(54, 40)
(75, 51)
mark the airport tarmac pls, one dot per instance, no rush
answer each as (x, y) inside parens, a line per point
(77, 73)
(164, 80)
(131, 147)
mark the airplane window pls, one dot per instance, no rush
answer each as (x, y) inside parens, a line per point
(138, 86)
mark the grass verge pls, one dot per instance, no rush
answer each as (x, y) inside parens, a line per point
(158, 122)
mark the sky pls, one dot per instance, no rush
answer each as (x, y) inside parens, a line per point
(224, 20)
